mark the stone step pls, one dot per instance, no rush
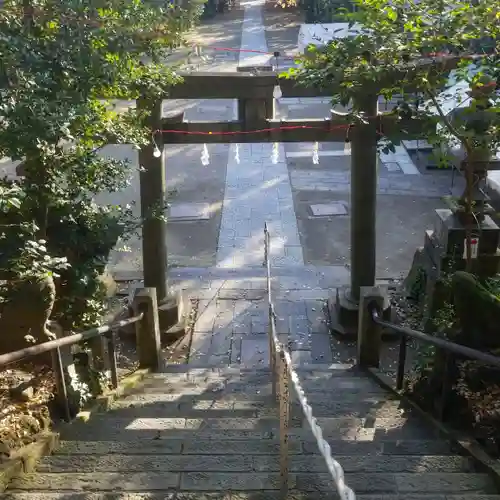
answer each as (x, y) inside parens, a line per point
(248, 463)
(305, 371)
(331, 369)
(256, 381)
(322, 391)
(207, 397)
(266, 407)
(253, 495)
(380, 483)
(110, 423)
(107, 428)
(164, 446)
(253, 383)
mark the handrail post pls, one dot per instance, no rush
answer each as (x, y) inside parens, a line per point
(113, 366)
(148, 329)
(62, 361)
(400, 375)
(61, 387)
(369, 332)
(284, 409)
(272, 351)
(448, 363)
(271, 313)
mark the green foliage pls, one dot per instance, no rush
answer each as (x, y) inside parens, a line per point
(493, 286)
(405, 50)
(61, 66)
(417, 288)
(324, 11)
(22, 254)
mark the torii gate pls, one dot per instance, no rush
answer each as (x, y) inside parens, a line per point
(254, 92)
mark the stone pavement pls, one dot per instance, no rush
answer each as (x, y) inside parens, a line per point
(257, 184)
(254, 50)
(257, 191)
(232, 320)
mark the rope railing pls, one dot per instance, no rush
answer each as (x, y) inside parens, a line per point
(282, 372)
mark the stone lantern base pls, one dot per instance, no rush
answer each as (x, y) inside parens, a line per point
(444, 251)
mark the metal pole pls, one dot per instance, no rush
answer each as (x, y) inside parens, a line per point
(363, 198)
(400, 377)
(271, 329)
(284, 408)
(62, 391)
(272, 350)
(112, 358)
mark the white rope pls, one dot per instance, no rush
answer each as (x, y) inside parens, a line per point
(334, 468)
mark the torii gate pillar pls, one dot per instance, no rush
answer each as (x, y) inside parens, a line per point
(344, 306)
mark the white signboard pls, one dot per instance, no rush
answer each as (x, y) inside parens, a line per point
(474, 245)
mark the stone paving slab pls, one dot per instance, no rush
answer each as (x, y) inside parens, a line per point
(97, 481)
(122, 434)
(258, 406)
(238, 329)
(257, 447)
(239, 495)
(402, 482)
(206, 481)
(257, 191)
(233, 306)
(247, 463)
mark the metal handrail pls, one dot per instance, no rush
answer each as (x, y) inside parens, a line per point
(450, 349)
(36, 350)
(55, 346)
(447, 345)
(280, 358)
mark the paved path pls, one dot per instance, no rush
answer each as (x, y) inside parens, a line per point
(253, 39)
(258, 188)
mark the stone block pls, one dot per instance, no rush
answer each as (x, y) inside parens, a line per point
(242, 323)
(299, 342)
(236, 349)
(301, 357)
(255, 350)
(194, 481)
(259, 323)
(221, 343)
(369, 333)
(299, 326)
(450, 234)
(343, 313)
(321, 351)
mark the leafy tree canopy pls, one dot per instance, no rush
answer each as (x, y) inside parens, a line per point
(406, 49)
(61, 64)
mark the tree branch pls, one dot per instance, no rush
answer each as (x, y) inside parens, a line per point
(447, 123)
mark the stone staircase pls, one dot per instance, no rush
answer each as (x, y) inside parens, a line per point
(202, 433)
